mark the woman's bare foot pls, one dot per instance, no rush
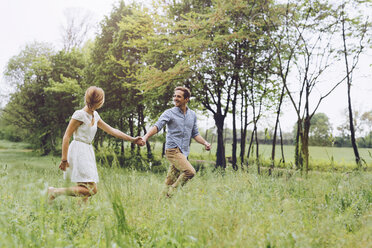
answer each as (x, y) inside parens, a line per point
(83, 201)
(51, 194)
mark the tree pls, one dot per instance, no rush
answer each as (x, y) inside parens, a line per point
(211, 41)
(117, 62)
(366, 121)
(315, 27)
(43, 83)
(27, 107)
(77, 28)
(285, 42)
(355, 28)
(108, 74)
(320, 130)
(20, 67)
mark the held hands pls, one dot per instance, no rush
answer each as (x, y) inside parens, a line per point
(143, 139)
(207, 146)
(138, 141)
(64, 165)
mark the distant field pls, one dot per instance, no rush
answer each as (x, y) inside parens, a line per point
(319, 156)
(342, 156)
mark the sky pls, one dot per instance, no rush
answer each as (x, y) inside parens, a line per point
(25, 21)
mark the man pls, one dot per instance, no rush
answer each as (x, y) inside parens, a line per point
(181, 126)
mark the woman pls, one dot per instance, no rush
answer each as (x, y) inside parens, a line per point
(78, 159)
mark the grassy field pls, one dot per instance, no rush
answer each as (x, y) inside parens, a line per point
(231, 209)
(329, 157)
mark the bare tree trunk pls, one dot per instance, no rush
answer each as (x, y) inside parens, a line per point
(250, 144)
(163, 148)
(305, 142)
(275, 132)
(122, 141)
(298, 153)
(131, 130)
(257, 150)
(244, 125)
(234, 144)
(243, 132)
(220, 154)
(348, 81)
(139, 125)
(148, 146)
(281, 144)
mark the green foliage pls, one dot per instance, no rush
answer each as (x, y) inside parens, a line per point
(116, 61)
(320, 130)
(227, 52)
(49, 88)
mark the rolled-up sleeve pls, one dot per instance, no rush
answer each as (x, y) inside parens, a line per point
(195, 131)
(163, 120)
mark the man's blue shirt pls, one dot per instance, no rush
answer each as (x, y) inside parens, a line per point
(180, 128)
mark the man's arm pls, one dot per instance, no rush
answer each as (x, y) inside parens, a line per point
(163, 120)
(202, 141)
(153, 130)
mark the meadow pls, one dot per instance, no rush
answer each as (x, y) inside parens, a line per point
(216, 209)
(321, 158)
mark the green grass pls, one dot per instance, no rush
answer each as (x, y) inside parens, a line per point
(323, 158)
(227, 209)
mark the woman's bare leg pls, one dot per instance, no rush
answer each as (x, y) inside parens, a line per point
(78, 191)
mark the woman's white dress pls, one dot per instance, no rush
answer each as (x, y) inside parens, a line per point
(81, 156)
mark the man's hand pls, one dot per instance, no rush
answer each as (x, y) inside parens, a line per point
(64, 165)
(138, 141)
(143, 141)
(207, 146)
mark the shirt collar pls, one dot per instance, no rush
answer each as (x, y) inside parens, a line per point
(180, 110)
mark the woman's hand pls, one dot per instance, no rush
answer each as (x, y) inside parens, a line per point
(64, 165)
(207, 146)
(138, 141)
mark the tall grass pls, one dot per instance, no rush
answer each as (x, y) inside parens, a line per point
(231, 209)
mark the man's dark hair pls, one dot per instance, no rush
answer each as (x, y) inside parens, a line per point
(186, 91)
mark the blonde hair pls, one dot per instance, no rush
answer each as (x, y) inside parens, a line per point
(94, 97)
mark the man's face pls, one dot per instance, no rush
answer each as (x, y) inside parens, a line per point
(178, 99)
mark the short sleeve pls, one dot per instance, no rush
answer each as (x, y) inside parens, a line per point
(96, 116)
(78, 115)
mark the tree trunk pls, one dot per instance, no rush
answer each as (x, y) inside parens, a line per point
(148, 146)
(257, 150)
(275, 132)
(163, 148)
(352, 130)
(220, 154)
(131, 130)
(305, 143)
(348, 78)
(243, 132)
(250, 144)
(281, 144)
(122, 141)
(234, 144)
(298, 152)
(139, 127)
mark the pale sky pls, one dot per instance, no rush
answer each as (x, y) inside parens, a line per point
(25, 21)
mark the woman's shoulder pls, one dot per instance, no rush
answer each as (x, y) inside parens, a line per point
(96, 115)
(79, 111)
(78, 115)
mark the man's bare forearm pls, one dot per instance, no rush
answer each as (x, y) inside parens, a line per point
(153, 130)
